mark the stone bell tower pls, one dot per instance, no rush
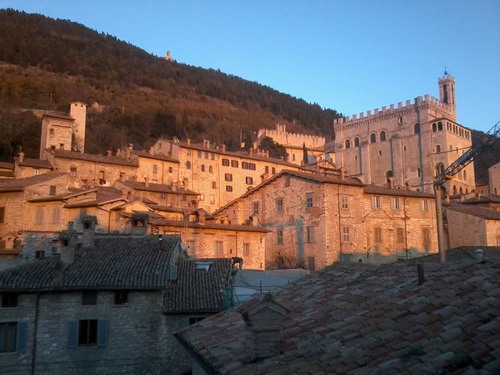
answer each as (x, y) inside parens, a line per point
(447, 89)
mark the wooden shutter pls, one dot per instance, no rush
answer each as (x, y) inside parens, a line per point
(102, 332)
(73, 334)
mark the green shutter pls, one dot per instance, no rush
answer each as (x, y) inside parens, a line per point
(73, 334)
(102, 333)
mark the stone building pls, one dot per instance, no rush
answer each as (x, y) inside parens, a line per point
(406, 144)
(317, 220)
(102, 308)
(472, 225)
(494, 178)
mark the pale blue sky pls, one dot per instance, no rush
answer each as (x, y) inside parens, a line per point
(351, 56)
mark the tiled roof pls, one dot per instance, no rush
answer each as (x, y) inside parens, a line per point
(200, 290)
(485, 213)
(103, 196)
(368, 319)
(4, 165)
(35, 163)
(125, 262)
(21, 183)
(93, 158)
(380, 190)
(482, 199)
(145, 154)
(160, 188)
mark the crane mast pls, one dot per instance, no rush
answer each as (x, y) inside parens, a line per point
(489, 138)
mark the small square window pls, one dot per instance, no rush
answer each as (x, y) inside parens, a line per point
(229, 188)
(309, 200)
(121, 297)
(9, 300)
(89, 298)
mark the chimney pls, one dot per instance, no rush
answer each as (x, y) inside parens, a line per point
(200, 215)
(68, 240)
(57, 274)
(479, 255)
(109, 153)
(128, 151)
(21, 157)
(89, 223)
(342, 173)
(265, 321)
(188, 141)
(390, 180)
(151, 151)
(223, 148)
(118, 152)
(146, 181)
(139, 224)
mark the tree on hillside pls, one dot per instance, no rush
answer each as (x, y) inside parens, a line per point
(275, 149)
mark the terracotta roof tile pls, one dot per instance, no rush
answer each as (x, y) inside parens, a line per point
(93, 158)
(375, 319)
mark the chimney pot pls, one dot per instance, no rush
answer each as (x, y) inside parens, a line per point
(21, 157)
(479, 255)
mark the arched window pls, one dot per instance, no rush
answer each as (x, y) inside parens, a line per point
(210, 169)
(416, 129)
(382, 136)
(373, 138)
(388, 176)
(454, 190)
(203, 167)
(461, 190)
(439, 168)
(188, 165)
(440, 126)
(347, 144)
(438, 149)
(434, 127)
(356, 142)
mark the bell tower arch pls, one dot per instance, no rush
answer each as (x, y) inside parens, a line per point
(447, 89)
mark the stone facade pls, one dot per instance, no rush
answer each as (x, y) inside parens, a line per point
(494, 177)
(407, 143)
(316, 220)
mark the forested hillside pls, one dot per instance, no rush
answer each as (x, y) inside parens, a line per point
(132, 96)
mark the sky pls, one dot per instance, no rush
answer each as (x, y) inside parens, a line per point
(348, 55)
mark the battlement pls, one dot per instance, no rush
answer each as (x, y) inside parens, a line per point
(279, 135)
(409, 105)
(446, 78)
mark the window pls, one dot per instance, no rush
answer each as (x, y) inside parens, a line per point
(39, 215)
(273, 170)
(344, 202)
(228, 177)
(8, 337)
(279, 204)
(279, 236)
(2, 214)
(121, 297)
(251, 166)
(426, 237)
(36, 171)
(347, 144)
(9, 300)
(203, 167)
(382, 136)
(56, 215)
(439, 168)
(465, 175)
(424, 205)
(311, 263)
(170, 169)
(72, 171)
(188, 152)
(212, 156)
(309, 200)
(229, 189)
(310, 234)
(378, 234)
(214, 185)
(434, 127)
(400, 235)
(212, 199)
(199, 154)
(395, 203)
(438, 149)
(373, 138)
(255, 208)
(287, 181)
(155, 168)
(52, 190)
(218, 247)
(188, 165)
(246, 249)
(419, 172)
(356, 142)
(400, 120)
(225, 162)
(346, 237)
(87, 332)
(234, 163)
(211, 169)
(376, 202)
(249, 180)
(89, 298)
(206, 155)
(416, 129)
(51, 131)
